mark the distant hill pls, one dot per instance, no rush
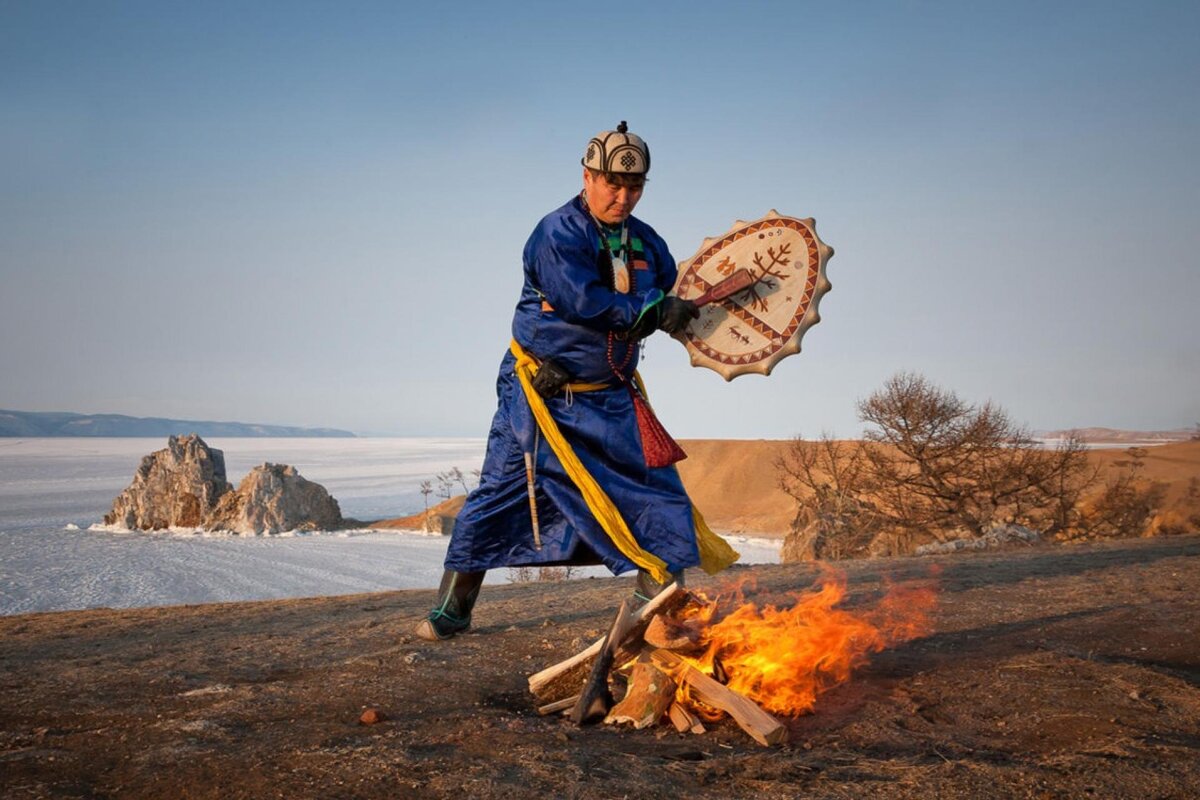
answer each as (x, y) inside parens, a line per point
(56, 423)
(1115, 436)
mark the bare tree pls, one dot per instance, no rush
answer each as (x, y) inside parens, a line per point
(930, 465)
(940, 464)
(455, 474)
(1191, 502)
(426, 490)
(1126, 505)
(1066, 477)
(1123, 509)
(834, 518)
(445, 485)
(530, 574)
(521, 574)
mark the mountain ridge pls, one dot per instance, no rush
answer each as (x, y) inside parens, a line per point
(1118, 435)
(70, 424)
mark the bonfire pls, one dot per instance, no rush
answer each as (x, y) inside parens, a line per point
(688, 659)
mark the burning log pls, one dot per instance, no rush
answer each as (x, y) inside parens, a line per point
(667, 634)
(563, 679)
(761, 726)
(762, 659)
(651, 692)
(595, 700)
(684, 720)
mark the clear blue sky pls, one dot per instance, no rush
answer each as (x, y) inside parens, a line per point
(313, 213)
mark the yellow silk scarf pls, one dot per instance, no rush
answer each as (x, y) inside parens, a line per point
(715, 552)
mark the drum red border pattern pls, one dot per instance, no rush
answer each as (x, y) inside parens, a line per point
(777, 339)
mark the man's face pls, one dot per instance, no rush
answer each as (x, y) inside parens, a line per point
(611, 203)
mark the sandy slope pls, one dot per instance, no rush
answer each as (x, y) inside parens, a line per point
(1050, 672)
(734, 483)
(1174, 464)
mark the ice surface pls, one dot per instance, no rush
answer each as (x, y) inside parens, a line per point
(54, 554)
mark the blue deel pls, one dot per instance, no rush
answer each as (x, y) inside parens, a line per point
(494, 528)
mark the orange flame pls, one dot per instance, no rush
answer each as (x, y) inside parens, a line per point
(783, 658)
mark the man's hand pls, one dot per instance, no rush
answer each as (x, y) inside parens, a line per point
(676, 314)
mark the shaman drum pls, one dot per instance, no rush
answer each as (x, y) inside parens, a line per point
(756, 327)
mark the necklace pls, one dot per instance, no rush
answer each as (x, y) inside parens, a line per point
(624, 281)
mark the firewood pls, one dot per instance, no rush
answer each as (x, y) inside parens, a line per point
(566, 682)
(595, 699)
(667, 634)
(684, 720)
(719, 673)
(558, 705)
(563, 679)
(761, 726)
(651, 691)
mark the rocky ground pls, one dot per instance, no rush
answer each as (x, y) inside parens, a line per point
(1051, 672)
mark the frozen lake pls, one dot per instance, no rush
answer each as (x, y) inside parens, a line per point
(48, 487)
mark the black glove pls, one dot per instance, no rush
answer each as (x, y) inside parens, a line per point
(676, 314)
(646, 324)
(550, 379)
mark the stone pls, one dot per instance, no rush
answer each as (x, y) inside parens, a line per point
(438, 523)
(273, 498)
(997, 536)
(173, 488)
(372, 716)
(800, 542)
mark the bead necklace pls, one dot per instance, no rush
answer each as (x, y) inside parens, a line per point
(630, 348)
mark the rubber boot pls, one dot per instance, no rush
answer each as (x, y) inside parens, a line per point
(646, 588)
(452, 614)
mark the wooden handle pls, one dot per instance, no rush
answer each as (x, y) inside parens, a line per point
(738, 281)
(537, 532)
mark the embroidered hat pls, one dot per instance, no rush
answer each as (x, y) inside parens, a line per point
(618, 151)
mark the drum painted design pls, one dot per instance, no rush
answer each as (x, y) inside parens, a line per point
(751, 331)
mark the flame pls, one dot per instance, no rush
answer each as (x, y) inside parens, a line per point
(783, 658)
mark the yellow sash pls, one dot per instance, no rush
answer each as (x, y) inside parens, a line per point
(715, 552)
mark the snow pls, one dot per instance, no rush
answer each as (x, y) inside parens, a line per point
(56, 555)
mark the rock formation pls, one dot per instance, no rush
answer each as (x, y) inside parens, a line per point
(184, 486)
(800, 544)
(174, 487)
(437, 519)
(998, 536)
(274, 498)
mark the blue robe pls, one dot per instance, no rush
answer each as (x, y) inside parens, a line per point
(566, 311)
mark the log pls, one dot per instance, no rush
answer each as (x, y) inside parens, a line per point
(761, 726)
(595, 700)
(558, 705)
(651, 692)
(719, 673)
(684, 720)
(665, 633)
(564, 678)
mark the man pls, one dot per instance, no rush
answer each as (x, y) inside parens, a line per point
(575, 471)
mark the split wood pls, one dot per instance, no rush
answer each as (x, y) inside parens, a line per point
(559, 684)
(565, 704)
(563, 679)
(664, 632)
(651, 692)
(595, 700)
(684, 720)
(761, 726)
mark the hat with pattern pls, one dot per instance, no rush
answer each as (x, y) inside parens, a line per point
(618, 151)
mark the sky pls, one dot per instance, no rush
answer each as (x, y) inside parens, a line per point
(313, 213)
